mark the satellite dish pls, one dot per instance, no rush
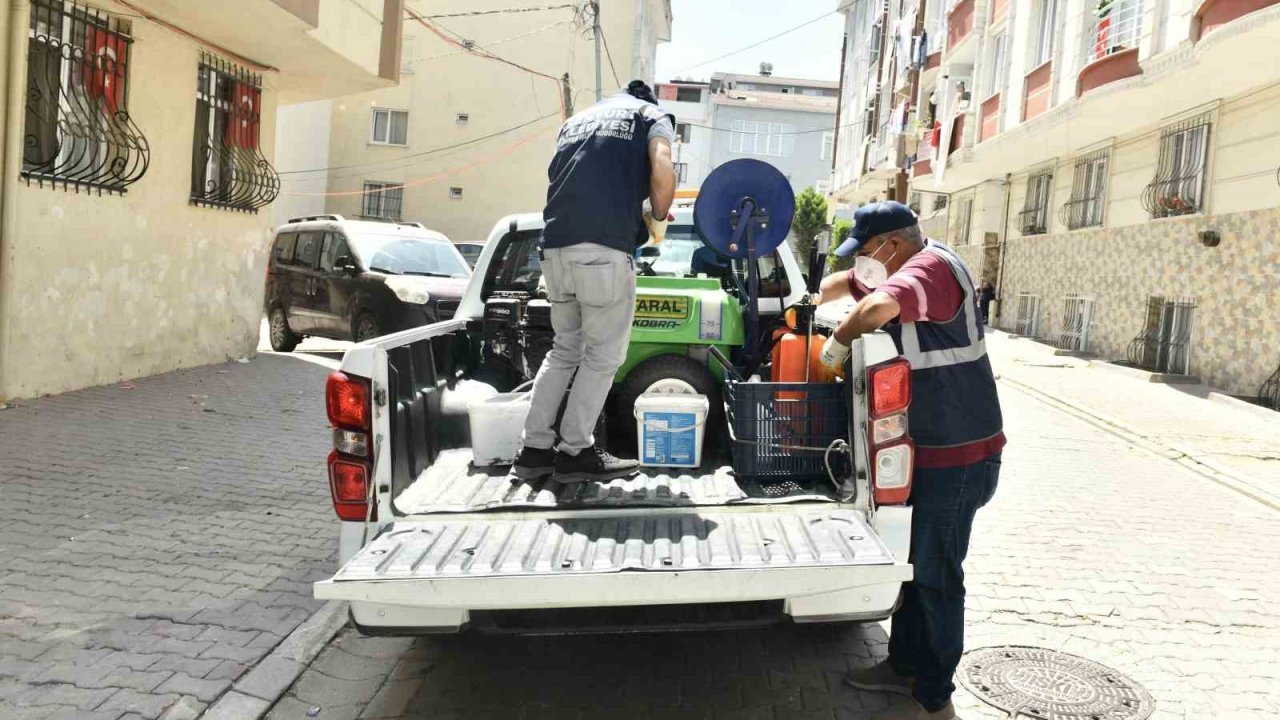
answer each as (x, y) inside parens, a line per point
(721, 203)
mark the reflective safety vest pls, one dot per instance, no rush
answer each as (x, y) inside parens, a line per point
(953, 391)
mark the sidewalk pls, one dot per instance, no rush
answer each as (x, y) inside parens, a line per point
(160, 537)
(1240, 447)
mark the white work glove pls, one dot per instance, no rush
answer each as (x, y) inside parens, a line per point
(657, 227)
(834, 353)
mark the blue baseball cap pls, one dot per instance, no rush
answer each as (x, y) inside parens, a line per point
(876, 219)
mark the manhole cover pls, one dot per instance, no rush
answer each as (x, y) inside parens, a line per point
(1039, 683)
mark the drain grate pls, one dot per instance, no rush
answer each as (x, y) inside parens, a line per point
(1049, 685)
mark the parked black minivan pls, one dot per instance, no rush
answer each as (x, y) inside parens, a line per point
(358, 279)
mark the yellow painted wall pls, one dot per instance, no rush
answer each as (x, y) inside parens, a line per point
(443, 82)
(101, 288)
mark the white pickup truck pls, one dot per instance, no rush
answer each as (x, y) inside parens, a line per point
(429, 543)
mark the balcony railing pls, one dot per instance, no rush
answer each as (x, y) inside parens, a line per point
(1037, 92)
(990, 118)
(960, 22)
(1114, 29)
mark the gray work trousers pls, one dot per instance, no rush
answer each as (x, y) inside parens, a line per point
(592, 289)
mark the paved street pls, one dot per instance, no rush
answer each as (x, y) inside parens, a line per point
(160, 537)
(163, 534)
(1092, 546)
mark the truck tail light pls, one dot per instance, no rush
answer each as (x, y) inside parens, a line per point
(347, 401)
(349, 486)
(890, 387)
(892, 452)
(350, 470)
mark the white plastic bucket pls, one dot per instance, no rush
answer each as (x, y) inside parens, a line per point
(496, 425)
(670, 429)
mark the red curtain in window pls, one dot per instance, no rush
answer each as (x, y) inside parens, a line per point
(104, 67)
(246, 103)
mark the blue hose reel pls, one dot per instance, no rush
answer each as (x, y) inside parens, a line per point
(744, 211)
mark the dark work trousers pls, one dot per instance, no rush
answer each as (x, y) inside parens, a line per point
(927, 636)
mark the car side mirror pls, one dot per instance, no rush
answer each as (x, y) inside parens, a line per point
(345, 264)
(650, 251)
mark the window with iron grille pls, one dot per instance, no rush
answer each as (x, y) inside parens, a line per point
(228, 169)
(78, 131)
(382, 200)
(1178, 188)
(1088, 191)
(1164, 344)
(389, 127)
(682, 132)
(682, 172)
(964, 219)
(1034, 217)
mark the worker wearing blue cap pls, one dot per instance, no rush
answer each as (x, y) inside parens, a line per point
(921, 293)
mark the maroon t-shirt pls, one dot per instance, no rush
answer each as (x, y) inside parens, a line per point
(927, 291)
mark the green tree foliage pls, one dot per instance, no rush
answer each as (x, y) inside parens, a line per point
(810, 219)
(839, 233)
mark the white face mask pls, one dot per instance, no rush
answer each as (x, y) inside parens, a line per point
(869, 271)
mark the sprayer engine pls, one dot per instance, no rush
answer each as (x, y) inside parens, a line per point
(517, 330)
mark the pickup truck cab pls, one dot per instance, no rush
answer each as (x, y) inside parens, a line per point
(430, 543)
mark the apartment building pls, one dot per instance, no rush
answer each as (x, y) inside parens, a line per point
(690, 103)
(465, 138)
(136, 158)
(1113, 166)
(787, 122)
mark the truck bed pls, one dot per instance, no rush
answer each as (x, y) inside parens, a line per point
(453, 485)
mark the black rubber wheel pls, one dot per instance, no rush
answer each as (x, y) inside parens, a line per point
(366, 327)
(282, 338)
(680, 368)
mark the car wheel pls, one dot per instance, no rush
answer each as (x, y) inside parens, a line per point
(367, 328)
(282, 338)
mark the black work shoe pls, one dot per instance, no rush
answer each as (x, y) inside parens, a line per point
(592, 464)
(533, 463)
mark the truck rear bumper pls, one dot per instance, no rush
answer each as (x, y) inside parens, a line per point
(865, 603)
(429, 575)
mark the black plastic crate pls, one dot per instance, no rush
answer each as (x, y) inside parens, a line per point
(779, 430)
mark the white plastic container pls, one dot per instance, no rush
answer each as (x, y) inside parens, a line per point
(670, 429)
(496, 425)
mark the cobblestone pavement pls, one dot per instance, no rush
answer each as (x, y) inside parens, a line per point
(1091, 546)
(1178, 417)
(160, 536)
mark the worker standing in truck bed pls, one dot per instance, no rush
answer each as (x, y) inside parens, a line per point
(609, 159)
(922, 294)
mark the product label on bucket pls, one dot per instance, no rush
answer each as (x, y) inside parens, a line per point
(669, 438)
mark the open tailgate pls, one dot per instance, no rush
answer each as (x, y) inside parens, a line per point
(616, 558)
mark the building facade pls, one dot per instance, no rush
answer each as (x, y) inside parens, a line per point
(137, 163)
(690, 103)
(787, 122)
(465, 138)
(1113, 167)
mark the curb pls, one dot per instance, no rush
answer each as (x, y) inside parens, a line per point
(255, 693)
(1147, 375)
(1204, 468)
(1225, 399)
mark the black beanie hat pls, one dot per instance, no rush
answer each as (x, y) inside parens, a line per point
(639, 90)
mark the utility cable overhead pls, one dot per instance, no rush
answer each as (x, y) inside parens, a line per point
(614, 70)
(501, 11)
(455, 40)
(482, 160)
(432, 151)
(758, 43)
